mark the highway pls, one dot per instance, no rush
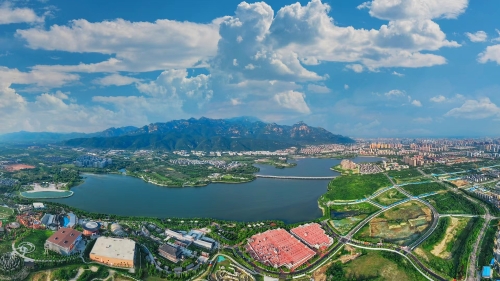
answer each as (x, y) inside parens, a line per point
(406, 252)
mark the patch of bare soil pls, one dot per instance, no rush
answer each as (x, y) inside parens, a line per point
(439, 249)
(421, 254)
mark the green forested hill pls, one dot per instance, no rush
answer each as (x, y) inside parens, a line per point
(214, 134)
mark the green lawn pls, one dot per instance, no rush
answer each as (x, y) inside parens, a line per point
(38, 238)
(451, 203)
(5, 212)
(355, 186)
(422, 188)
(389, 197)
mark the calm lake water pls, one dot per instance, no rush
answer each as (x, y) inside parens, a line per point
(263, 199)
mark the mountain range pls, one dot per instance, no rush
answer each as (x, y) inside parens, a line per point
(236, 134)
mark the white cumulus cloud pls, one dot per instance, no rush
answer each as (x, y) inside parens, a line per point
(475, 109)
(439, 98)
(292, 100)
(416, 103)
(9, 15)
(115, 80)
(479, 36)
(415, 9)
(358, 68)
(395, 93)
(492, 53)
(135, 46)
(194, 91)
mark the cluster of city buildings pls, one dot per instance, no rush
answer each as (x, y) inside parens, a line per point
(369, 168)
(186, 153)
(322, 149)
(414, 161)
(35, 220)
(92, 161)
(476, 178)
(362, 168)
(278, 247)
(178, 242)
(216, 163)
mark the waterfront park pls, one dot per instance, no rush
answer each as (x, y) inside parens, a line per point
(407, 226)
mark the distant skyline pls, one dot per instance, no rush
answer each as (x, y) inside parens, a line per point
(380, 68)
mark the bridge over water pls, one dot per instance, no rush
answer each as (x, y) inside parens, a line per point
(295, 177)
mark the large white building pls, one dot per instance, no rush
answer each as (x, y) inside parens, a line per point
(118, 252)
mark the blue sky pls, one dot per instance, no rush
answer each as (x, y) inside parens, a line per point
(380, 68)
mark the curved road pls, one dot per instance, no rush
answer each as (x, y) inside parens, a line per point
(435, 214)
(407, 255)
(472, 269)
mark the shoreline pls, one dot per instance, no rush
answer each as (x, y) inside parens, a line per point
(160, 184)
(196, 185)
(49, 197)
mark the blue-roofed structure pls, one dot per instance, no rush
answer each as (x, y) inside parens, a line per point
(487, 273)
(72, 220)
(492, 262)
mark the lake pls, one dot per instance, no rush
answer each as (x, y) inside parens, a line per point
(263, 199)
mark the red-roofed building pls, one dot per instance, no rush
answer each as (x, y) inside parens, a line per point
(313, 235)
(279, 248)
(64, 241)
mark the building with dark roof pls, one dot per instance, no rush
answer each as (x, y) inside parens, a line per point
(64, 241)
(171, 252)
(91, 228)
